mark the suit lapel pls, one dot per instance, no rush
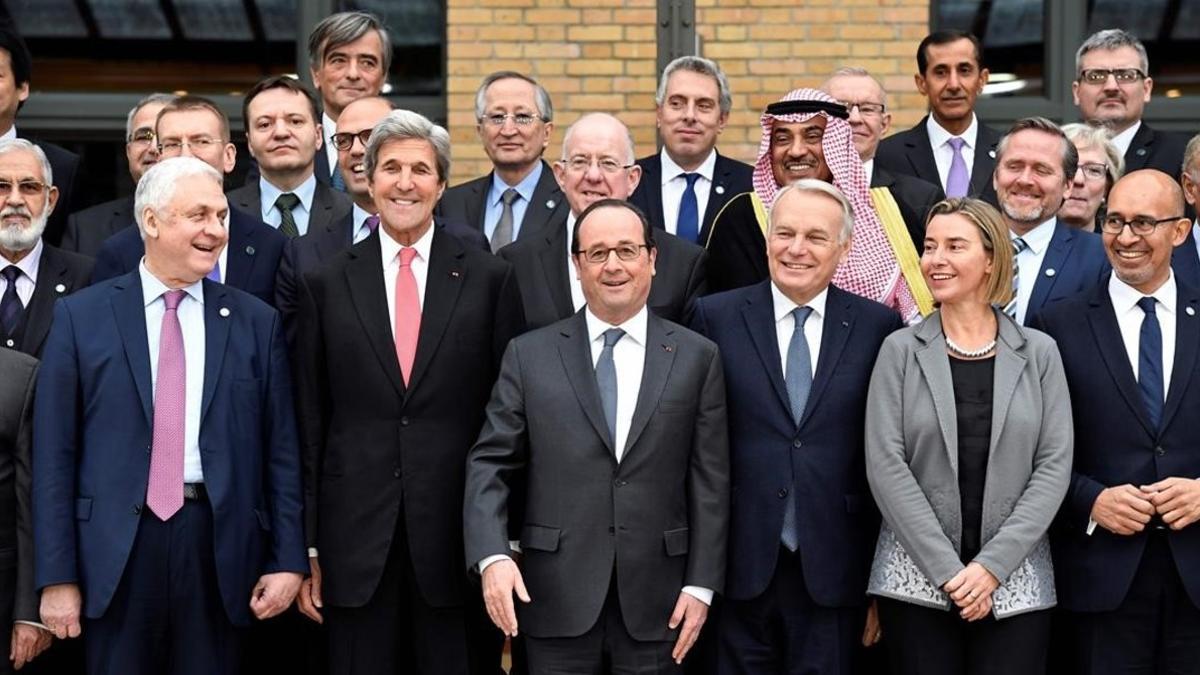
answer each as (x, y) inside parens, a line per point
(53, 283)
(1111, 347)
(1009, 365)
(985, 160)
(935, 368)
(129, 309)
(443, 283)
(652, 177)
(660, 356)
(1058, 255)
(321, 215)
(364, 278)
(839, 322)
(249, 198)
(718, 193)
(476, 205)
(920, 153)
(1186, 262)
(576, 355)
(556, 269)
(759, 316)
(240, 259)
(216, 336)
(1187, 340)
(547, 201)
(1138, 153)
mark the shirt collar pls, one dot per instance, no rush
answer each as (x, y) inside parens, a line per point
(938, 136)
(524, 188)
(360, 217)
(1039, 237)
(30, 263)
(10, 134)
(152, 288)
(671, 170)
(1125, 297)
(784, 305)
(270, 193)
(634, 327)
(328, 126)
(391, 248)
(869, 168)
(1124, 139)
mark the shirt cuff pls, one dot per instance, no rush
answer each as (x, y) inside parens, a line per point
(1091, 527)
(704, 595)
(483, 564)
(312, 551)
(35, 624)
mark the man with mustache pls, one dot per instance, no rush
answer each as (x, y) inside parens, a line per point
(87, 229)
(33, 274)
(1035, 164)
(806, 135)
(1112, 87)
(950, 148)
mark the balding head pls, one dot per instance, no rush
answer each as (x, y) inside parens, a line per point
(1147, 207)
(597, 162)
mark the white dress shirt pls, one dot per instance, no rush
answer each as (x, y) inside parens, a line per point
(10, 134)
(869, 168)
(390, 253)
(943, 154)
(27, 280)
(674, 184)
(191, 324)
(1123, 140)
(328, 127)
(359, 219)
(577, 299)
(1029, 263)
(271, 214)
(785, 325)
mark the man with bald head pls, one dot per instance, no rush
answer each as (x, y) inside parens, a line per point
(1126, 547)
(597, 163)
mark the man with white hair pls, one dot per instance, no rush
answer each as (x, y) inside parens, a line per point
(161, 557)
(33, 274)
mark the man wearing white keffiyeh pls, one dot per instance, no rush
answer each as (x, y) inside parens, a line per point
(806, 135)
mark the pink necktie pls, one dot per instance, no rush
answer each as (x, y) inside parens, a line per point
(408, 313)
(164, 494)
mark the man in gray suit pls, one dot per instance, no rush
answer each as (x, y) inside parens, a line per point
(620, 445)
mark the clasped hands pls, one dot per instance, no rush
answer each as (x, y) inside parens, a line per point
(1127, 509)
(971, 589)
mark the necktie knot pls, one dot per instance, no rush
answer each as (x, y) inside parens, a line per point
(406, 256)
(11, 273)
(612, 336)
(691, 179)
(1147, 305)
(956, 144)
(510, 195)
(173, 298)
(371, 222)
(287, 201)
(800, 315)
(1019, 245)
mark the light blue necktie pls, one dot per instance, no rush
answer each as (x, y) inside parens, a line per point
(606, 378)
(335, 179)
(215, 274)
(798, 379)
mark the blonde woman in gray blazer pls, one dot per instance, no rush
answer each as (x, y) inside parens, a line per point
(968, 441)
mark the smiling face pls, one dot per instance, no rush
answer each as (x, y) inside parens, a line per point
(349, 72)
(281, 132)
(690, 117)
(1029, 179)
(23, 216)
(595, 139)
(184, 239)
(1144, 261)
(405, 187)
(796, 151)
(510, 145)
(359, 116)
(616, 289)
(803, 250)
(868, 128)
(1112, 103)
(955, 264)
(951, 82)
(1087, 193)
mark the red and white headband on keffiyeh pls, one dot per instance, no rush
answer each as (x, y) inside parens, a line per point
(871, 269)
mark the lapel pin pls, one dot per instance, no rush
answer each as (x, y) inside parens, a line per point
(1191, 311)
(720, 189)
(845, 324)
(1050, 272)
(549, 203)
(224, 311)
(1141, 152)
(60, 288)
(249, 250)
(992, 154)
(668, 348)
(455, 273)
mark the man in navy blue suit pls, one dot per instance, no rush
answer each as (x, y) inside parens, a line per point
(803, 523)
(192, 126)
(1126, 546)
(1035, 165)
(167, 507)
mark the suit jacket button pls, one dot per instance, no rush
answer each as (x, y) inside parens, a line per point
(797, 444)
(137, 509)
(9, 343)
(611, 530)
(395, 473)
(782, 493)
(403, 421)
(1159, 450)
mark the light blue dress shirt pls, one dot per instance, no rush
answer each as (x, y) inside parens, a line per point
(271, 215)
(495, 207)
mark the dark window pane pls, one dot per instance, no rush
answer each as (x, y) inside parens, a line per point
(1013, 37)
(48, 18)
(1171, 32)
(417, 30)
(214, 20)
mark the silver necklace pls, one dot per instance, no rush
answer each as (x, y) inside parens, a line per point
(970, 353)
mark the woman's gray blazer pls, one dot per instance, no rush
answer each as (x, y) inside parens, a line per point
(912, 466)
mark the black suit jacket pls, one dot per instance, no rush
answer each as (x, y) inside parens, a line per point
(1150, 149)
(659, 516)
(909, 152)
(60, 273)
(914, 196)
(541, 268)
(467, 204)
(87, 229)
(64, 164)
(730, 177)
(376, 449)
(18, 599)
(1186, 262)
(254, 252)
(328, 205)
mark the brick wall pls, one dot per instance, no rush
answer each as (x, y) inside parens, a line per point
(599, 55)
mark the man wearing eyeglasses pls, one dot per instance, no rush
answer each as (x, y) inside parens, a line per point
(607, 430)
(597, 163)
(33, 274)
(1112, 87)
(515, 119)
(687, 183)
(193, 126)
(869, 119)
(1126, 544)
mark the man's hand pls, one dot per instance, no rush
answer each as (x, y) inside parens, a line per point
(971, 589)
(500, 580)
(691, 612)
(872, 631)
(1123, 509)
(309, 599)
(27, 642)
(60, 610)
(1177, 500)
(274, 593)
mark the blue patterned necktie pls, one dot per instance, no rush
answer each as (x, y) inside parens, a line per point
(687, 227)
(1150, 362)
(798, 379)
(10, 304)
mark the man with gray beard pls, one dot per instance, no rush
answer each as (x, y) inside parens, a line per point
(33, 274)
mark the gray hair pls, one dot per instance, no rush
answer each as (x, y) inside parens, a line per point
(152, 98)
(541, 97)
(631, 154)
(1108, 40)
(856, 71)
(814, 186)
(1191, 154)
(157, 186)
(703, 66)
(1070, 158)
(1099, 138)
(343, 28)
(17, 144)
(402, 124)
